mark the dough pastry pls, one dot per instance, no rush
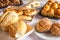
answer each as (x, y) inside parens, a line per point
(18, 29)
(7, 19)
(30, 12)
(23, 17)
(55, 29)
(43, 25)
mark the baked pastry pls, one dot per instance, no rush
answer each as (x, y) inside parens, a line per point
(43, 25)
(29, 28)
(19, 11)
(8, 18)
(5, 3)
(51, 9)
(24, 17)
(44, 12)
(18, 29)
(30, 12)
(45, 9)
(55, 29)
(57, 13)
(50, 12)
(49, 2)
(58, 5)
(35, 4)
(54, 5)
(32, 4)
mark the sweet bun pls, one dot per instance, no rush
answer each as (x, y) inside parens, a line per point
(46, 7)
(18, 29)
(54, 5)
(7, 19)
(55, 29)
(51, 12)
(44, 12)
(57, 12)
(30, 12)
(58, 5)
(50, 2)
(43, 25)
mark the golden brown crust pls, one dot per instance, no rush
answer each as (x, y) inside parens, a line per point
(44, 12)
(19, 27)
(5, 3)
(23, 17)
(19, 12)
(51, 9)
(43, 25)
(51, 12)
(54, 5)
(7, 19)
(55, 29)
(46, 7)
(30, 12)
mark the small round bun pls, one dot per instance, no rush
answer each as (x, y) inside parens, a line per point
(51, 12)
(47, 7)
(55, 29)
(43, 25)
(57, 12)
(54, 5)
(44, 12)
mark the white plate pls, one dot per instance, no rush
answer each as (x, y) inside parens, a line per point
(26, 35)
(47, 36)
(6, 36)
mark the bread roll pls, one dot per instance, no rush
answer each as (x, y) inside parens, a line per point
(55, 29)
(46, 7)
(7, 19)
(55, 5)
(44, 12)
(51, 13)
(43, 25)
(18, 29)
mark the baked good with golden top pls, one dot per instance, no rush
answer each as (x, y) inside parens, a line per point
(51, 9)
(47, 7)
(24, 17)
(58, 5)
(57, 13)
(30, 12)
(8, 18)
(17, 29)
(43, 25)
(19, 12)
(44, 12)
(50, 12)
(49, 2)
(54, 5)
(55, 29)
(5, 3)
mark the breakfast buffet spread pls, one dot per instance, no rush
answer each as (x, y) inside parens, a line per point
(13, 18)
